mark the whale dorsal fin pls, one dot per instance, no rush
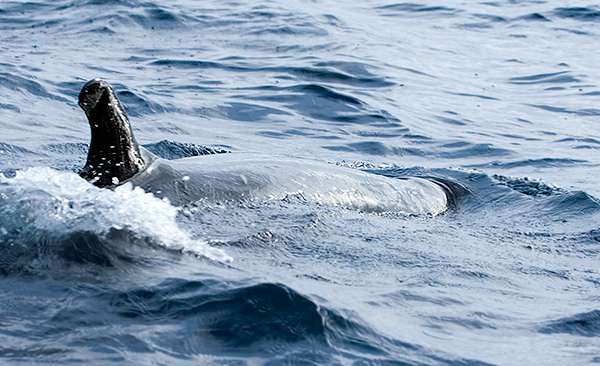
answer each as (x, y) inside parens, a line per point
(114, 155)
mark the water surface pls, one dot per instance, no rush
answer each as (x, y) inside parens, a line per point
(499, 98)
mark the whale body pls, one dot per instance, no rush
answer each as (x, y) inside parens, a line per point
(115, 158)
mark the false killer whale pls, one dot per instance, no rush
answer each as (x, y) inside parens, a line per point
(115, 158)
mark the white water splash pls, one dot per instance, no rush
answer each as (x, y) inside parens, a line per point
(65, 201)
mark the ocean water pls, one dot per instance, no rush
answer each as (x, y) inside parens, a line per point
(497, 98)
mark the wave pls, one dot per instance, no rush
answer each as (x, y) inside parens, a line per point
(591, 14)
(528, 186)
(538, 163)
(285, 30)
(536, 17)
(411, 9)
(559, 201)
(483, 21)
(171, 150)
(472, 191)
(333, 106)
(61, 214)
(27, 86)
(13, 150)
(557, 77)
(136, 105)
(113, 17)
(584, 324)
(236, 317)
(266, 319)
(198, 319)
(446, 151)
(350, 73)
(581, 112)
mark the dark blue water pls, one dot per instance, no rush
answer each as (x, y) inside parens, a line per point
(499, 99)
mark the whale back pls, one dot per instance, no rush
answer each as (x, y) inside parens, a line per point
(238, 177)
(115, 158)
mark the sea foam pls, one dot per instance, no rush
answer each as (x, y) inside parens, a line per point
(52, 200)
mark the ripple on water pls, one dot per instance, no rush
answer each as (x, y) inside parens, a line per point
(590, 14)
(27, 86)
(353, 73)
(585, 324)
(561, 77)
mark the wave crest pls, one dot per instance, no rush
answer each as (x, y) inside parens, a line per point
(49, 202)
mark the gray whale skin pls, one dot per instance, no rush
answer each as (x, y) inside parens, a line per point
(115, 158)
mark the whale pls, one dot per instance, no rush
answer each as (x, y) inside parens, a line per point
(115, 158)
